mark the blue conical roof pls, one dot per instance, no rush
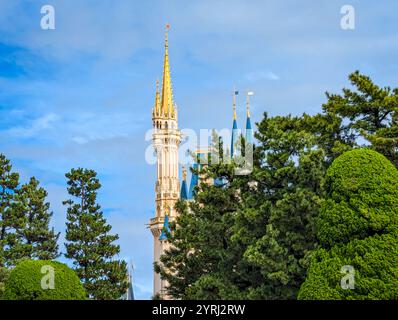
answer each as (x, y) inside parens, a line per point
(249, 131)
(234, 139)
(194, 181)
(163, 235)
(184, 190)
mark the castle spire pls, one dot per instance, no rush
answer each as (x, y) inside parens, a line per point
(156, 109)
(235, 134)
(249, 130)
(184, 189)
(167, 103)
(235, 93)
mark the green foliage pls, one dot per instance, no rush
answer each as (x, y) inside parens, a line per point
(32, 237)
(256, 234)
(24, 222)
(4, 274)
(89, 243)
(213, 287)
(275, 226)
(25, 282)
(368, 111)
(247, 238)
(8, 185)
(362, 197)
(374, 260)
(357, 226)
(203, 228)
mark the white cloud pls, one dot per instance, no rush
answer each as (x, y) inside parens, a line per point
(35, 127)
(261, 75)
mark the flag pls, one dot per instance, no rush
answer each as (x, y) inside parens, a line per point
(236, 93)
(250, 93)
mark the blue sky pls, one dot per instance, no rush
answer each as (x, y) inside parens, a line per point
(81, 95)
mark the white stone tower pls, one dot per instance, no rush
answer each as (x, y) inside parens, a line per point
(166, 139)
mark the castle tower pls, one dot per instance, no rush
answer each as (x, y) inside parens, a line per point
(166, 139)
(249, 131)
(235, 130)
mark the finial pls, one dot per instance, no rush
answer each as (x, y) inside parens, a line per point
(235, 93)
(249, 93)
(166, 42)
(157, 99)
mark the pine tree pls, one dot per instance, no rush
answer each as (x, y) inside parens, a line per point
(368, 111)
(275, 225)
(201, 255)
(8, 185)
(89, 243)
(32, 237)
(248, 237)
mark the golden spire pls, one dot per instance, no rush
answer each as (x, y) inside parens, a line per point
(157, 99)
(167, 104)
(249, 93)
(184, 173)
(234, 102)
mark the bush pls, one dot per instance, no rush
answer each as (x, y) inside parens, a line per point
(357, 227)
(374, 260)
(25, 282)
(361, 197)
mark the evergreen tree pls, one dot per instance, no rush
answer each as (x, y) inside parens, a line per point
(249, 236)
(368, 111)
(8, 185)
(32, 237)
(201, 254)
(89, 243)
(275, 225)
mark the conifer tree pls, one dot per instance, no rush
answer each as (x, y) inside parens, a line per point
(8, 185)
(368, 111)
(89, 242)
(200, 255)
(275, 225)
(248, 237)
(32, 237)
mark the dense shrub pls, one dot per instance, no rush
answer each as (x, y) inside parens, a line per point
(374, 260)
(357, 227)
(25, 282)
(361, 197)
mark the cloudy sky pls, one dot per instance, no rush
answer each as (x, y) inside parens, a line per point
(81, 95)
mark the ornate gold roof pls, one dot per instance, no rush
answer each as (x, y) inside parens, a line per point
(164, 104)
